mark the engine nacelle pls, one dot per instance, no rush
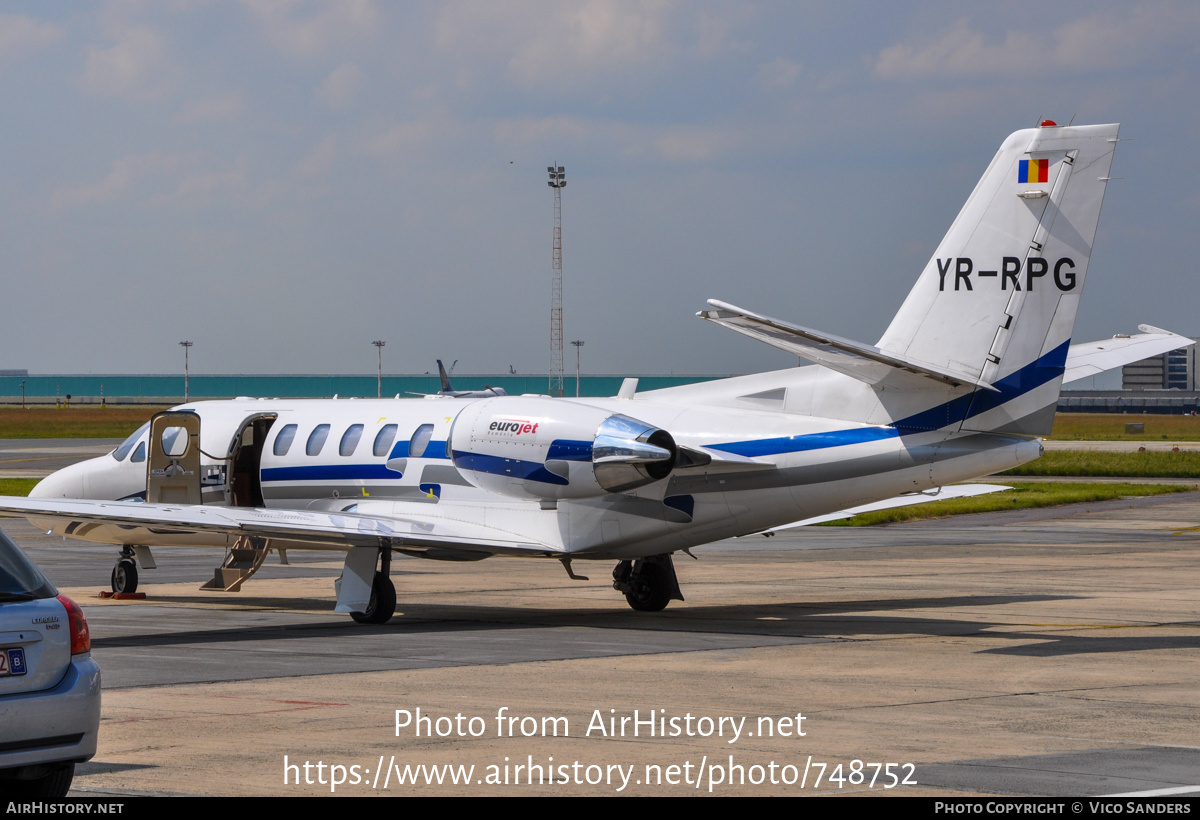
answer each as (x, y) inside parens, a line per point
(535, 447)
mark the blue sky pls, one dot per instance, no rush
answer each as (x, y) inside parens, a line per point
(283, 182)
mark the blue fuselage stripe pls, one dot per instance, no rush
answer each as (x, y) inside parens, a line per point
(954, 411)
(329, 472)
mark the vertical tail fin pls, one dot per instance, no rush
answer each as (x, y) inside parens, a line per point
(446, 388)
(999, 297)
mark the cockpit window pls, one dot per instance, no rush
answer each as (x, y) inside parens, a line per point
(283, 441)
(127, 445)
(384, 439)
(139, 455)
(316, 439)
(350, 440)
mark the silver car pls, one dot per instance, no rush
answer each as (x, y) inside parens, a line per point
(49, 684)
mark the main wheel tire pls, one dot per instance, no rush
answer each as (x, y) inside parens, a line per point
(382, 605)
(125, 576)
(650, 589)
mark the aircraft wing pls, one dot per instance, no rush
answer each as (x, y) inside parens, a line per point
(866, 363)
(198, 525)
(906, 500)
(1089, 358)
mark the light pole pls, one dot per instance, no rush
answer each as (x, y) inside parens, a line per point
(186, 349)
(557, 181)
(379, 343)
(22, 395)
(578, 344)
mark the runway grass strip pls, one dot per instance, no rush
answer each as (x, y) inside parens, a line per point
(1150, 464)
(73, 422)
(1111, 427)
(17, 486)
(1026, 495)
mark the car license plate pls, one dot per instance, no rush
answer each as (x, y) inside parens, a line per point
(12, 662)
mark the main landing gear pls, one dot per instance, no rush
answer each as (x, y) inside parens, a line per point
(649, 584)
(382, 605)
(125, 574)
(383, 602)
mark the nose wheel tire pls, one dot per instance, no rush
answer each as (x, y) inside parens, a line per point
(383, 602)
(649, 589)
(125, 576)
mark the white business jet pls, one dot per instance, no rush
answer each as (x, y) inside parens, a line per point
(962, 384)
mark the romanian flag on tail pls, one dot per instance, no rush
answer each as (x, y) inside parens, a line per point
(1034, 170)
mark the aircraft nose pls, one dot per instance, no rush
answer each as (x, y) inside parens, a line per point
(69, 482)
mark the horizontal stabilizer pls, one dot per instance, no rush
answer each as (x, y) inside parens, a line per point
(906, 500)
(866, 363)
(1090, 358)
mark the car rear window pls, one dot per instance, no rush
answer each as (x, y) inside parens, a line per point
(20, 579)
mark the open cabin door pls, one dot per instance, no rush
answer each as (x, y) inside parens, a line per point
(173, 467)
(245, 461)
(244, 489)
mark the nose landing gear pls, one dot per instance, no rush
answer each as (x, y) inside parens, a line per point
(125, 574)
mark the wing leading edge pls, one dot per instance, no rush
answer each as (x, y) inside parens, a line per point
(191, 525)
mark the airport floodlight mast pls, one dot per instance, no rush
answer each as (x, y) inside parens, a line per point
(578, 344)
(187, 346)
(379, 343)
(558, 181)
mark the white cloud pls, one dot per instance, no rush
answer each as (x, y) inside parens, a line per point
(341, 87)
(404, 140)
(608, 138)
(962, 52)
(211, 109)
(1100, 41)
(126, 171)
(320, 160)
(559, 43)
(136, 68)
(185, 178)
(778, 74)
(21, 35)
(310, 29)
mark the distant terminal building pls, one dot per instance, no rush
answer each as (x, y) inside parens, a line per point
(1175, 370)
(16, 374)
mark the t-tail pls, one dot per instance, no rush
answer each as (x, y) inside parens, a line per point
(981, 341)
(997, 301)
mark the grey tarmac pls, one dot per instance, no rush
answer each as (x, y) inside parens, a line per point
(1037, 652)
(1045, 652)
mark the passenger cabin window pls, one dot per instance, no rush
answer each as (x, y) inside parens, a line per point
(139, 454)
(316, 439)
(127, 445)
(384, 439)
(350, 440)
(420, 440)
(283, 441)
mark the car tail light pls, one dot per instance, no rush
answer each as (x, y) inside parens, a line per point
(81, 638)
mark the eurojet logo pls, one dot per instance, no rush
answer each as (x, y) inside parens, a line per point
(1033, 170)
(1011, 272)
(513, 427)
